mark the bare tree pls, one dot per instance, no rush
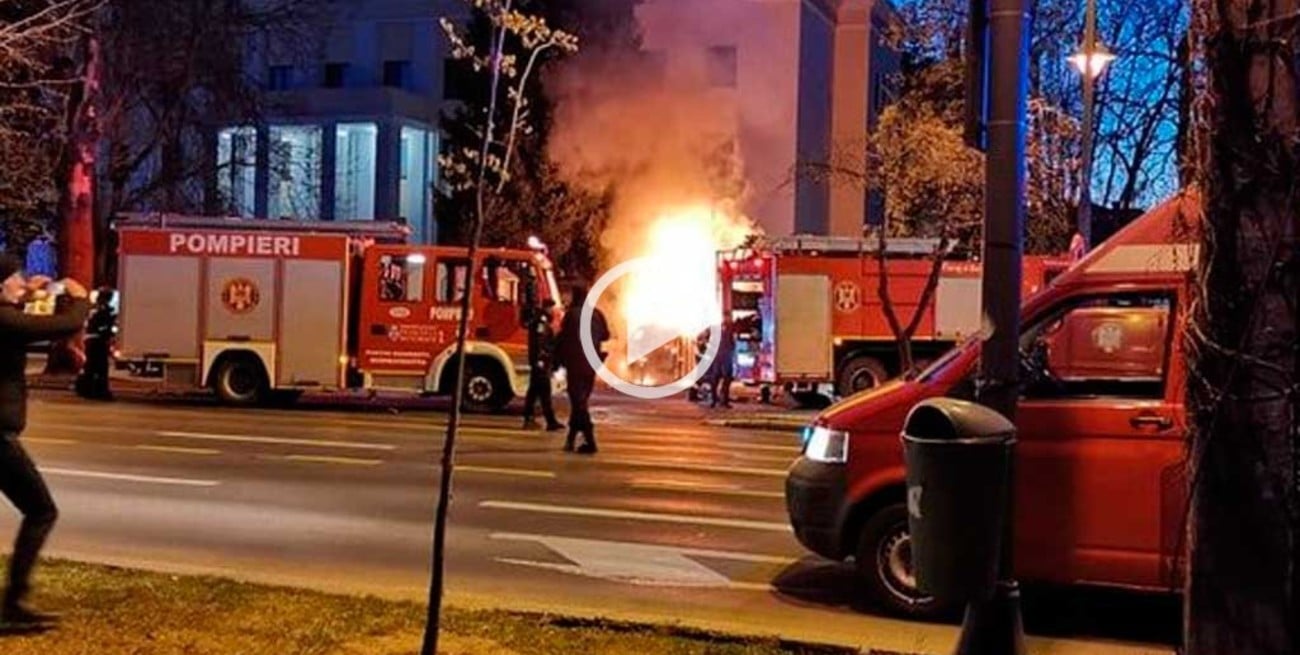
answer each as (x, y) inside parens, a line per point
(177, 69)
(516, 44)
(932, 183)
(1137, 101)
(37, 38)
(1244, 389)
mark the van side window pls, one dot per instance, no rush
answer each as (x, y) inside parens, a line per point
(1099, 346)
(401, 278)
(452, 277)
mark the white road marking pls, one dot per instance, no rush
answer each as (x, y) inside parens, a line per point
(638, 564)
(49, 442)
(717, 489)
(322, 459)
(653, 517)
(184, 482)
(491, 470)
(686, 466)
(722, 452)
(177, 449)
(244, 438)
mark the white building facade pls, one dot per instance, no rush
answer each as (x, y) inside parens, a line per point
(351, 131)
(805, 80)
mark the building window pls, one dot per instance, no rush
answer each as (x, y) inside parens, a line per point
(295, 171)
(720, 66)
(336, 75)
(397, 74)
(354, 170)
(419, 156)
(237, 170)
(279, 78)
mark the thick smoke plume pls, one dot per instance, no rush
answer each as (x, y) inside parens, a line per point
(664, 146)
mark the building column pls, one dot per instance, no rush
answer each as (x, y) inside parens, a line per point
(328, 167)
(849, 114)
(388, 170)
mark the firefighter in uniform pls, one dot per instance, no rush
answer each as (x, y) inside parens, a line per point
(93, 381)
(581, 375)
(541, 362)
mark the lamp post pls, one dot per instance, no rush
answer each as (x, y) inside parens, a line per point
(1090, 60)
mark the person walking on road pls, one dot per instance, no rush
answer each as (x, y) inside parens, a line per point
(581, 374)
(541, 362)
(20, 481)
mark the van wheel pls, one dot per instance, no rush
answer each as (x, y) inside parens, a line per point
(860, 374)
(486, 389)
(884, 560)
(241, 380)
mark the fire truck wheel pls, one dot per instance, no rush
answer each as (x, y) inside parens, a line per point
(860, 374)
(486, 388)
(240, 380)
(884, 560)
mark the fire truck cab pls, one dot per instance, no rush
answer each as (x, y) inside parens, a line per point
(250, 308)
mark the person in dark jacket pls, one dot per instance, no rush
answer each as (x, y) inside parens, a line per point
(722, 370)
(93, 383)
(580, 374)
(20, 481)
(541, 362)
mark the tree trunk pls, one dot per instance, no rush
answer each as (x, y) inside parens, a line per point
(76, 197)
(1243, 396)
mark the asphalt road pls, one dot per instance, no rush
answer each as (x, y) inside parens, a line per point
(674, 519)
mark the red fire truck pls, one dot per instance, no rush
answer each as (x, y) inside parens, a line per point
(251, 308)
(807, 315)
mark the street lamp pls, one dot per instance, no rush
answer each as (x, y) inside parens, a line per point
(1094, 64)
(1091, 61)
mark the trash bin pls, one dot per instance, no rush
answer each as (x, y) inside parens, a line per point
(958, 476)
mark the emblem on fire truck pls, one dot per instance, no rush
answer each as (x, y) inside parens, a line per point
(847, 297)
(240, 295)
(1108, 337)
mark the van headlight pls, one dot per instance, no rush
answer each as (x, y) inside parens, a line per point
(825, 445)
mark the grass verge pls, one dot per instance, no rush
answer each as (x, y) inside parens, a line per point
(113, 611)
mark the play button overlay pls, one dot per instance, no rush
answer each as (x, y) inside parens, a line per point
(642, 339)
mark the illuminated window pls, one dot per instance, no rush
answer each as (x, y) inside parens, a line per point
(237, 170)
(419, 160)
(354, 170)
(295, 172)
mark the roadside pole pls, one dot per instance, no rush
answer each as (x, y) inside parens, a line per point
(995, 627)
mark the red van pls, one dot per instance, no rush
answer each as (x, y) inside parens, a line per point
(1100, 471)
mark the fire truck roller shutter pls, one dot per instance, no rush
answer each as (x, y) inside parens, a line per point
(160, 309)
(803, 332)
(490, 378)
(311, 325)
